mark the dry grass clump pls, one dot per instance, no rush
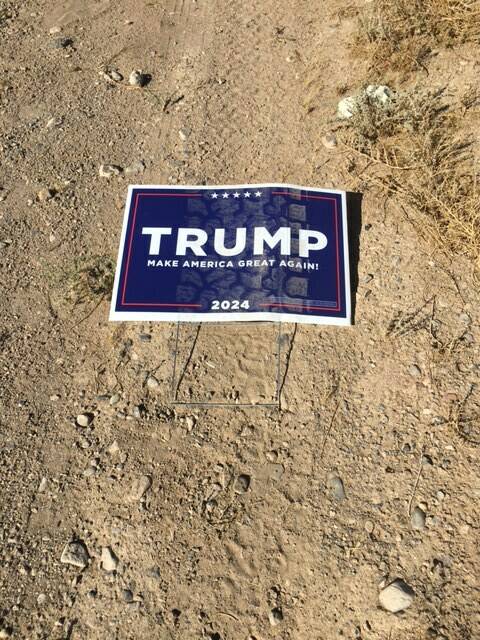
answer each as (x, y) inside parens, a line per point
(91, 281)
(412, 151)
(401, 34)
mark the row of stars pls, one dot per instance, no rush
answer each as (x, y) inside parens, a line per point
(236, 194)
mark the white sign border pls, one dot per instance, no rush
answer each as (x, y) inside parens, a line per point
(149, 316)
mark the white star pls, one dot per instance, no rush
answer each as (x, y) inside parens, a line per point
(247, 194)
(225, 195)
(258, 194)
(236, 194)
(214, 196)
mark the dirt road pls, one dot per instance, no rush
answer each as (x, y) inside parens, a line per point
(222, 524)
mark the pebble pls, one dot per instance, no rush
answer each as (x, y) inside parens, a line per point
(115, 75)
(115, 399)
(398, 596)
(61, 43)
(152, 382)
(75, 553)
(137, 79)
(135, 168)
(335, 484)
(414, 370)
(53, 30)
(108, 560)
(5, 632)
(41, 599)
(145, 337)
(329, 140)
(109, 170)
(242, 484)
(418, 518)
(45, 194)
(140, 487)
(127, 595)
(84, 419)
(43, 485)
(183, 134)
(465, 318)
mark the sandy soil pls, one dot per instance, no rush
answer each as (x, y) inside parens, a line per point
(224, 524)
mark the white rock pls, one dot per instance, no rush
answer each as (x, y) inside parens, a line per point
(43, 485)
(379, 92)
(346, 107)
(183, 134)
(76, 554)
(135, 168)
(115, 75)
(55, 30)
(109, 170)
(108, 559)
(140, 487)
(137, 79)
(152, 382)
(84, 419)
(398, 596)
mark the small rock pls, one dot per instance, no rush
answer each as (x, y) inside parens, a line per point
(137, 79)
(145, 337)
(329, 140)
(335, 484)
(135, 168)
(127, 595)
(398, 596)
(108, 560)
(275, 616)
(140, 487)
(465, 318)
(45, 194)
(379, 93)
(152, 382)
(76, 554)
(84, 419)
(114, 448)
(43, 485)
(61, 43)
(5, 632)
(183, 134)
(346, 107)
(242, 484)
(115, 75)
(115, 399)
(418, 518)
(53, 30)
(109, 170)
(41, 599)
(414, 370)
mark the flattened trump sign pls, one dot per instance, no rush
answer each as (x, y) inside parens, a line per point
(229, 253)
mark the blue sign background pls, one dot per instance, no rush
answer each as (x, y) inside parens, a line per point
(318, 294)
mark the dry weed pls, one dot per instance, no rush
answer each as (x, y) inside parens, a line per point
(91, 281)
(413, 152)
(400, 35)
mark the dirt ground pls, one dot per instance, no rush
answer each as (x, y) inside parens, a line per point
(228, 524)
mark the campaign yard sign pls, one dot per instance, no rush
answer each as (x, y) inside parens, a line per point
(230, 253)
